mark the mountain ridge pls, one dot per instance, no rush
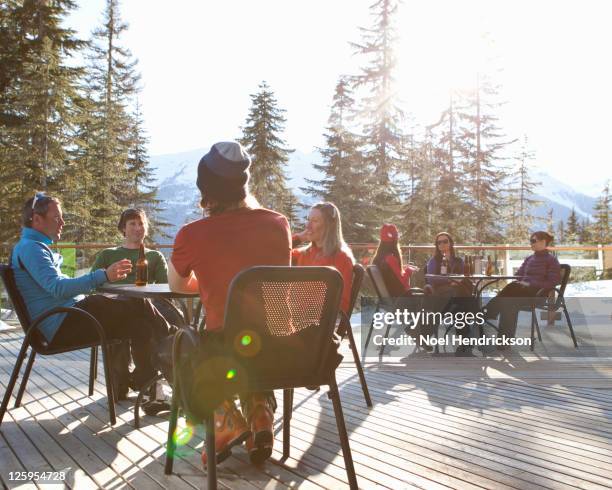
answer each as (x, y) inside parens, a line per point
(176, 175)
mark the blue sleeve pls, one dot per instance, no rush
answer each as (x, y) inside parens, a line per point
(38, 260)
(431, 269)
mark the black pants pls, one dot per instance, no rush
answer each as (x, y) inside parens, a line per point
(453, 298)
(121, 318)
(508, 309)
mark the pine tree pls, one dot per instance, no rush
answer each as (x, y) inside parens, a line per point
(602, 228)
(342, 169)
(550, 222)
(482, 158)
(382, 135)
(261, 138)
(37, 102)
(519, 196)
(571, 229)
(114, 84)
(452, 207)
(585, 235)
(292, 208)
(560, 238)
(419, 218)
(142, 193)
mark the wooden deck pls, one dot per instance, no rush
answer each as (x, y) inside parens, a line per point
(514, 422)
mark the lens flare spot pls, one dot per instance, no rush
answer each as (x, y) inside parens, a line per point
(231, 374)
(183, 435)
(247, 343)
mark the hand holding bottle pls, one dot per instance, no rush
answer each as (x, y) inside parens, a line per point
(119, 270)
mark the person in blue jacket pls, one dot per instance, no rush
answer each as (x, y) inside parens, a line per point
(539, 272)
(43, 286)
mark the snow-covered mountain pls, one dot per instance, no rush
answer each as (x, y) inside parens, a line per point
(176, 176)
(561, 198)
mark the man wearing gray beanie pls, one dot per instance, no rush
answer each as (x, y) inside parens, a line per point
(235, 234)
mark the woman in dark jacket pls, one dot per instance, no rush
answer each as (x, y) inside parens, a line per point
(539, 271)
(445, 248)
(447, 294)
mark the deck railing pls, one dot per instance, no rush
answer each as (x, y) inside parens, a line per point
(589, 262)
(506, 257)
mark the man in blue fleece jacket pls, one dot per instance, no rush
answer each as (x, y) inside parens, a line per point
(43, 286)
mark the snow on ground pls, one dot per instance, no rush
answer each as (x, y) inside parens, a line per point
(589, 289)
(4, 326)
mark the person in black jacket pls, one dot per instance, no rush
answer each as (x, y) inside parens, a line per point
(449, 295)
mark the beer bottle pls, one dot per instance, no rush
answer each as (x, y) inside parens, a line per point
(142, 268)
(489, 270)
(444, 266)
(467, 271)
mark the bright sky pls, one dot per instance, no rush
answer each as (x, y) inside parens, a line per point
(200, 61)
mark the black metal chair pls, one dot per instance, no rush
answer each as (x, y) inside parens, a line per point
(34, 339)
(385, 301)
(346, 329)
(550, 304)
(278, 334)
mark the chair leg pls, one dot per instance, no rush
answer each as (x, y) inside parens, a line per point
(92, 370)
(381, 352)
(24, 380)
(362, 380)
(437, 347)
(287, 414)
(537, 326)
(14, 375)
(95, 362)
(365, 347)
(344, 440)
(211, 457)
(170, 443)
(569, 324)
(533, 320)
(109, 384)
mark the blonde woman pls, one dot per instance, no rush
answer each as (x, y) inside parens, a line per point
(327, 246)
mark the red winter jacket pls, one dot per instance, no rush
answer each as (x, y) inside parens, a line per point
(313, 256)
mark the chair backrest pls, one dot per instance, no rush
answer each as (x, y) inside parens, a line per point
(379, 283)
(8, 278)
(279, 324)
(358, 273)
(566, 270)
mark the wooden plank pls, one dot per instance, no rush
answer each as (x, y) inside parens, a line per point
(459, 430)
(240, 470)
(117, 458)
(291, 479)
(485, 455)
(491, 431)
(450, 396)
(10, 463)
(464, 406)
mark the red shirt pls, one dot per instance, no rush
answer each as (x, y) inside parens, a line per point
(219, 247)
(403, 276)
(343, 263)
